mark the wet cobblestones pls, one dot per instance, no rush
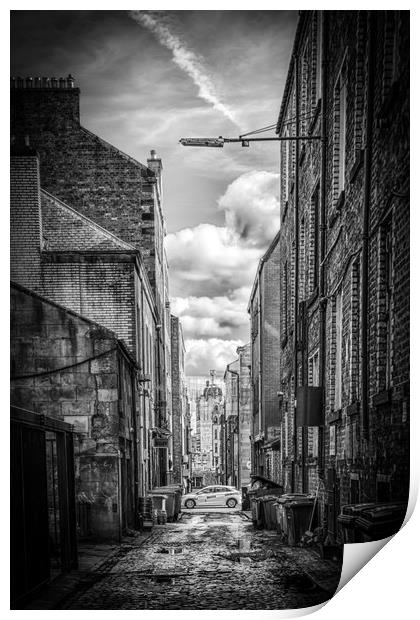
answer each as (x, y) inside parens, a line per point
(204, 561)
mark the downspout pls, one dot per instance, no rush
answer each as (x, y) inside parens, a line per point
(366, 219)
(323, 233)
(296, 282)
(135, 450)
(146, 469)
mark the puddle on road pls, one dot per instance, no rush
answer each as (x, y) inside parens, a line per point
(163, 579)
(170, 550)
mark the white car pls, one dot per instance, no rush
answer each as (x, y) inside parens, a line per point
(217, 495)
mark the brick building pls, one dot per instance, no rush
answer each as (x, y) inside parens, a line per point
(237, 431)
(80, 265)
(67, 367)
(118, 194)
(264, 311)
(344, 266)
(181, 421)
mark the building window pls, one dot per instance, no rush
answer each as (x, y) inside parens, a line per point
(302, 260)
(254, 322)
(313, 380)
(340, 123)
(285, 167)
(314, 241)
(313, 369)
(305, 90)
(385, 306)
(354, 332)
(333, 439)
(390, 51)
(215, 433)
(285, 301)
(360, 83)
(286, 429)
(318, 70)
(338, 380)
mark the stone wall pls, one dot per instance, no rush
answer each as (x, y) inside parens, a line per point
(67, 367)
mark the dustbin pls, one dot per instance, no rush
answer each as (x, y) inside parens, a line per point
(173, 504)
(170, 501)
(271, 503)
(347, 521)
(159, 501)
(298, 515)
(145, 510)
(381, 520)
(259, 522)
(177, 489)
(253, 503)
(282, 506)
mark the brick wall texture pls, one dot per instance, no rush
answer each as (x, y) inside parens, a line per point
(360, 453)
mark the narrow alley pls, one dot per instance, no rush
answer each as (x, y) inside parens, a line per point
(207, 560)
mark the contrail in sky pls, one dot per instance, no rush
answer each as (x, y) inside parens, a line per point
(186, 59)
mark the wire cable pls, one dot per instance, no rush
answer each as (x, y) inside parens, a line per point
(50, 372)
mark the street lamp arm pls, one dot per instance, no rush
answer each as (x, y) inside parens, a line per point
(220, 141)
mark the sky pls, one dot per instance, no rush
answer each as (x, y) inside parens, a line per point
(149, 78)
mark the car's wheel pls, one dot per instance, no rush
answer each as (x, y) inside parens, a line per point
(190, 503)
(231, 503)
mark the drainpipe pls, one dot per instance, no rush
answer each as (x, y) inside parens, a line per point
(135, 450)
(323, 233)
(366, 218)
(296, 282)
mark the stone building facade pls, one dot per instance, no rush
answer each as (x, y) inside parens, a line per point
(69, 368)
(344, 248)
(209, 412)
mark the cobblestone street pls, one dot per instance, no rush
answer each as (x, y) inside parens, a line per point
(212, 560)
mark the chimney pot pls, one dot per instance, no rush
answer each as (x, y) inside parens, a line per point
(20, 82)
(54, 82)
(37, 82)
(153, 154)
(62, 82)
(70, 81)
(13, 82)
(29, 82)
(45, 82)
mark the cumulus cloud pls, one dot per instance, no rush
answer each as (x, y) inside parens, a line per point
(187, 60)
(251, 206)
(219, 316)
(203, 354)
(208, 261)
